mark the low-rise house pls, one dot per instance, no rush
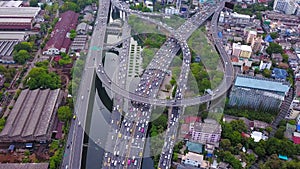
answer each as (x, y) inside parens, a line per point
(82, 28)
(279, 74)
(277, 57)
(257, 136)
(296, 138)
(192, 159)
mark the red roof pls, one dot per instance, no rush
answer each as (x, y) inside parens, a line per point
(58, 40)
(59, 130)
(245, 135)
(57, 58)
(296, 140)
(191, 119)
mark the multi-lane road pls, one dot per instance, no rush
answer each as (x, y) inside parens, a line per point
(73, 153)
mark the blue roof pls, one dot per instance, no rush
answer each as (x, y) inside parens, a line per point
(298, 127)
(279, 73)
(268, 38)
(194, 147)
(261, 84)
(282, 157)
(11, 147)
(220, 34)
(28, 145)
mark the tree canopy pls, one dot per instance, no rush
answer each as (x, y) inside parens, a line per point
(23, 46)
(21, 56)
(40, 78)
(64, 113)
(70, 6)
(274, 48)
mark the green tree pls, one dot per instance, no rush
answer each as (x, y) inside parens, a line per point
(225, 144)
(40, 78)
(285, 58)
(168, 87)
(33, 3)
(2, 123)
(267, 73)
(173, 81)
(64, 113)
(72, 34)
(21, 56)
(70, 6)
(260, 151)
(175, 157)
(274, 35)
(274, 48)
(23, 46)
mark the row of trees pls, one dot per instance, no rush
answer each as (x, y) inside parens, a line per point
(251, 114)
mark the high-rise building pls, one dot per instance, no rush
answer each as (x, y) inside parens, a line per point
(258, 93)
(256, 44)
(236, 49)
(286, 6)
(251, 36)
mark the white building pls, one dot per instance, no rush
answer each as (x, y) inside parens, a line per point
(265, 65)
(257, 136)
(192, 159)
(171, 11)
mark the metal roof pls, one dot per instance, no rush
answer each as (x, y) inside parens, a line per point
(24, 166)
(261, 84)
(21, 12)
(10, 3)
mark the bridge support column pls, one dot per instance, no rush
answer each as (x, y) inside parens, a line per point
(207, 105)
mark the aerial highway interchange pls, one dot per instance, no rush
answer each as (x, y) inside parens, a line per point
(126, 138)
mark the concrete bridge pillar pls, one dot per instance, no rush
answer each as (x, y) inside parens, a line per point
(207, 105)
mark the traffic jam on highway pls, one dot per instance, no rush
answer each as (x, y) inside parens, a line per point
(128, 133)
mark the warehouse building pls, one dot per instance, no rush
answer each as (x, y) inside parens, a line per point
(32, 116)
(7, 42)
(258, 93)
(60, 40)
(11, 3)
(24, 165)
(18, 18)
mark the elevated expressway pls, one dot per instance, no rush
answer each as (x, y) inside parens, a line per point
(222, 88)
(165, 160)
(182, 35)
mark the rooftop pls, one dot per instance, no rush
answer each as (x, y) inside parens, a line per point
(15, 20)
(261, 84)
(32, 116)
(208, 128)
(58, 40)
(10, 3)
(6, 35)
(194, 147)
(246, 48)
(24, 165)
(21, 12)
(193, 157)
